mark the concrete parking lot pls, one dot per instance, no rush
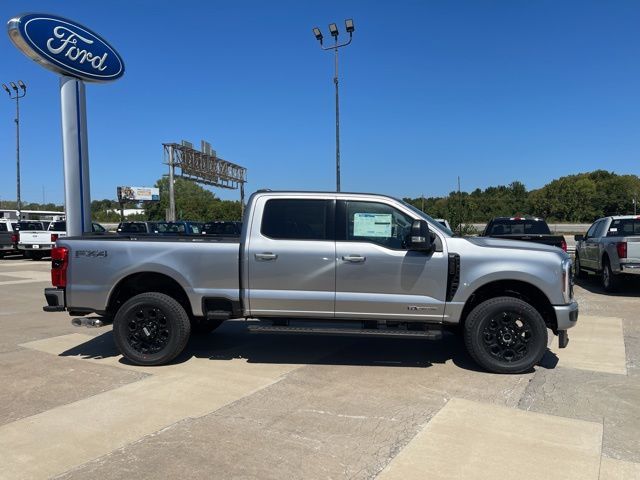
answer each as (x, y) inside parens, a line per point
(238, 405)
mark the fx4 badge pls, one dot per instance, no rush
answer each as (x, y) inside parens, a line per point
(91, 253)
(414, 308)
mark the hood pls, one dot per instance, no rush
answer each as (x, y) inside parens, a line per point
(489, 242)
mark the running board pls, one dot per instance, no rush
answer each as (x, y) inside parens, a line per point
(430, 334)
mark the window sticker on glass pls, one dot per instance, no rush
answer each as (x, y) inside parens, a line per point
(372, 224)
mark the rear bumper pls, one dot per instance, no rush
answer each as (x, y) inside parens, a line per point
(6, 247)
(631, 268)
(566, 315)
(55, 300)
(36, 247)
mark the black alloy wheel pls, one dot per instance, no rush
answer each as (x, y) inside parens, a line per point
(505, 335)
(151, 329)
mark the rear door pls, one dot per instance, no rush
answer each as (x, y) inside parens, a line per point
(291, 257)
(377, 277)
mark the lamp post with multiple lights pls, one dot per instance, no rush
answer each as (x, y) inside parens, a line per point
(18, 92)
(333, 30)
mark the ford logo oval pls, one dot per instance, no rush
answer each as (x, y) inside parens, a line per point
(65, 47)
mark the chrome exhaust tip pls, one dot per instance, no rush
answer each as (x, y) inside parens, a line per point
(88, 322)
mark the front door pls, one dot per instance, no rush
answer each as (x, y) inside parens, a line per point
(291, 258)
(377, 277)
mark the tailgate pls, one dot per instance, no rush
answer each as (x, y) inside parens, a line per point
(633, 249)
(35, 237)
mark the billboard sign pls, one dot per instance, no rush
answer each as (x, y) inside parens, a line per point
(65, 47)
(138, 194)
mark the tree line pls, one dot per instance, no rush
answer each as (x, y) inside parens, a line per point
(579, 198)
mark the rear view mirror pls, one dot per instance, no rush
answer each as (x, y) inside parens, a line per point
(420, 238)
(578, 238)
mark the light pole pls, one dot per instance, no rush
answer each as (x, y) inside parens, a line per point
(17, 95)
(333, 30)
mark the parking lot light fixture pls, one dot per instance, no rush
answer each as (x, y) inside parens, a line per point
(333, 30)
(17, 95)
(318, 34)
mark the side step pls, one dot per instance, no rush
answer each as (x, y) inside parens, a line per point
(429, 334)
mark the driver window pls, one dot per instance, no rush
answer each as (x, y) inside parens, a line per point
(377, 223)
(591, 230)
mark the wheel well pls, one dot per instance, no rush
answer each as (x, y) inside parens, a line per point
(144, 282)
(513, 288)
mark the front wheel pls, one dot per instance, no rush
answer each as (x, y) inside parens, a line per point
(505, 335)
(151, 329)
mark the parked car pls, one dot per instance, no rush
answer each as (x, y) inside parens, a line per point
(127, 228)
(358, 263)
(8, 237)
(524, 228)
(59, 229)
(222, 229)
(610, 248)
(178, 228)
(444, 223)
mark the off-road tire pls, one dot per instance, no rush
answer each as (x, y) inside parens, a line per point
(610, 282)
(505, 335)
(167, 329)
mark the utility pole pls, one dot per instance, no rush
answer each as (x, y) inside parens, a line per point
(171, 214)
(459, 208)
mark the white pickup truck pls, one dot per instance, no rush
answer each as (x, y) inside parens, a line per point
(35, 241)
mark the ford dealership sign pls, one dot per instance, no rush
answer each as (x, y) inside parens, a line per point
(65, 47)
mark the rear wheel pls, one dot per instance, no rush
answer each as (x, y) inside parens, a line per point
(151, 329)
(610, 282)
(505, 335)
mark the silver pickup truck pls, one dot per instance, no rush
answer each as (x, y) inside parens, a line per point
(611, 248)
(321, 263)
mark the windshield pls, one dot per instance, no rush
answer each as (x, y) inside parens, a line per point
(432, 222)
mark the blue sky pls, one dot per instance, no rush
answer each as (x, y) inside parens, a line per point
(493, 91)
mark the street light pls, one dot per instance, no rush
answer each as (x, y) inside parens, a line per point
(17, 95)
(333, 30)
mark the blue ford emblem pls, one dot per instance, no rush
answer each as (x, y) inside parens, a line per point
(65, 47)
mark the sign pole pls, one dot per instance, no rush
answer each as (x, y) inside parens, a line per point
(75, 152)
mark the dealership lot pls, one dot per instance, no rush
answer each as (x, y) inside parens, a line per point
(250, 406)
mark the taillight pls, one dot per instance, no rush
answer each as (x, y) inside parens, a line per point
(622, 249)
(15, 238)
(563, 245)
(54, 237)
(59, 264)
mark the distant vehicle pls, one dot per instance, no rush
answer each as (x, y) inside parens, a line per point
(127, 228)
(525, 228)
(60, 229)
(222, 229)
(610, 248)
(443, 222)
(8, 236)
(34, 239)
(178, 228)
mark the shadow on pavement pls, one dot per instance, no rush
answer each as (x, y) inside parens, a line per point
(628, 286)
(233, 341)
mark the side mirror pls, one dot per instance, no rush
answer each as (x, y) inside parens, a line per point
(420, 238)
(578, 238)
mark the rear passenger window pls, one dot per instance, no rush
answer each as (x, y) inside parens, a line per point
(288, 219)
(3, 227)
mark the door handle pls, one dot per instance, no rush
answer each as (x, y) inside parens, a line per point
(266, 256)
(354, 258)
